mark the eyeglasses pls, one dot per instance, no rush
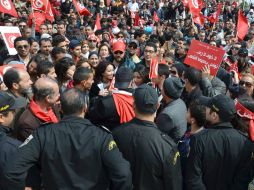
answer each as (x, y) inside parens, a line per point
(235, 48)
(118, 52)
(22, 26)
(131, 46)
(92, 41)
(21, 47)
(247, 84)
(120, 37)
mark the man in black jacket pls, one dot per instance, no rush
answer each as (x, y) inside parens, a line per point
(9, 145)
(220, 157)
(73, 154)
(154, 158)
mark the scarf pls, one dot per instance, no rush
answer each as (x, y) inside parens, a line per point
(124, 105)
(46, 117)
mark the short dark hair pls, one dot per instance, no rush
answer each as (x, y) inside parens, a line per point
(55, 51)
(45, 40)
(44, 67)
(81, 74)
(153, 45)
(62, 66)
(198, 112)
(163, 69)
(72, 101)
(11, 76)
(31, 40)
(42, 92)
(57, 40)
(18, 39)
(193, 75)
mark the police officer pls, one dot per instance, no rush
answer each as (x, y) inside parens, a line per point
(73, 154)
(154, 158)
(220, 156)
(9, 145)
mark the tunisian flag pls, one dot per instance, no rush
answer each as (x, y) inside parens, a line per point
(6, 6)
(215, 16)
(195, 6)
(199, 19)
(49, 13)
(242, 25)
(97, 23)
(40, 5)
(153, 68)
(40, 19)
(81, 9)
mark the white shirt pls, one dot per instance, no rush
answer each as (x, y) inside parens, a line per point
(133, 7)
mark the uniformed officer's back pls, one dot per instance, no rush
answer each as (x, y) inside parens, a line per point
(73, 154)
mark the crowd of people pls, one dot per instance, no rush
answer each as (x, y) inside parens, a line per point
(80, 110)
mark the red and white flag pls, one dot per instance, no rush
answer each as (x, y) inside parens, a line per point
(9, 34)
(40, 5)
(185, 3)
(195, 6)
(199, 19)
(97, 25)
(81, 9)
(215, 16)
(49, 13)
(154, 68)
(6, 6)
(40, 19)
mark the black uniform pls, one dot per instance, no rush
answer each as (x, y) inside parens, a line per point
(219, 159)
(8, 146)
(73, 154)
(154, 158)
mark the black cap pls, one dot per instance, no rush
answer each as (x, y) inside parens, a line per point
(123, 77)
(146, 99)
(173, 87)
(222, 104)
(9, 103)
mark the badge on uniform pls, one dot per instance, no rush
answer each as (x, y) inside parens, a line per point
(177, 154)
(112, 145)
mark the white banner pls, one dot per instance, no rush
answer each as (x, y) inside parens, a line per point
(9, 34)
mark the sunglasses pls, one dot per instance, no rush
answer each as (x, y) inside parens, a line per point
(92, 41)
(235, 48)
(247, 84)
(118, 52)
(131, 46)
(120, 37)
(22, 26)
(21, 47)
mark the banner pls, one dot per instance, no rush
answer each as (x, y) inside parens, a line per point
(10, 33)
(201, 54)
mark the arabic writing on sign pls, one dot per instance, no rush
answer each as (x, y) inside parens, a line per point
(208, 56)
(203, 61)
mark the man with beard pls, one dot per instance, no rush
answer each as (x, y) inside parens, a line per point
(220, 157)
(39, 111)
(120, 60)
(22, 46)
(92, 43)
(46, 48)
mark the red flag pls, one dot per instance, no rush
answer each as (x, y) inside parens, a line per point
(242, 25)
(40, 5)
(49, 13)
(97, 23)
(81, 9)
(199, 19)
(7, 6)
(155, 17)
(215, 16)
(153, 68)
(40, 19)
(195, 6)
(54, 11)
(136, 20)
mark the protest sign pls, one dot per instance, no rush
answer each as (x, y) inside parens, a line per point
(201, 54)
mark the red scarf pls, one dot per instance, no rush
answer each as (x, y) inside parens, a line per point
(47, 117)
(124, 105)
(247, 114)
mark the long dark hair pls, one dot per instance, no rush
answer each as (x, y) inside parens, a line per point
(101, 68)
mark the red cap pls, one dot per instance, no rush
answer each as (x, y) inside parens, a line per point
(119, 46)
